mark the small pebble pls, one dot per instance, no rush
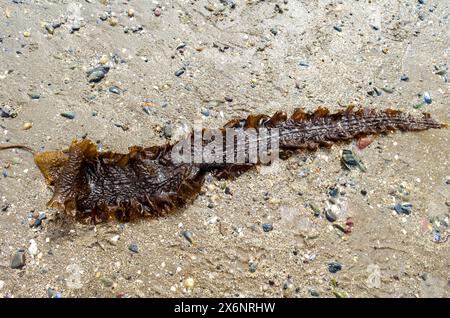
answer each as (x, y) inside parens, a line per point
(331, 215)
(27, 125)
(403, 208)
(180, 72)
(252, 267)
(49, 27)
(334, 267)
(205, 112)
(34, 95)
(104, 59)
(188, 236)
(130, 12)
(104, 16)
(96, 74)
(68, 115)
(133, 247)
(113, 21)
(7, 112)
(18, 260)
(167, 131)
(427, 98)
(337, 28)
(75, 26)
(404, 78)
(189, 283)
(115, 90)
(157, 12)
(267, 227)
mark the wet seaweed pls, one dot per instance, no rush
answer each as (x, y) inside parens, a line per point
(97, 186)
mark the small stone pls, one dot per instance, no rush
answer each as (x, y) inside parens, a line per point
(228, 99)
(338, 28)
(188, 236)
(75, 26)
(330, 214)
(26, 34)
(180, 46)
(104, 16)
(52, 293)
(113, 240)
(334, 267)
(34, 95)
(205, 112)
(113, 21)
(104, 59)
(130, 12)
(115, 90)
(427, 98)
(157, 12)
(333, 192)
(68, 115)
(96, 74)
(252, 267)
(107, 282)
(50, 29)
(314, 293)
(18, 260)
(388, 89)
(189, 283)
(180, 72)
(2, 284)
(133, 247)
(167, 131)
(274, 31)
(27, 125)
(404, 78)
(7, 112)
(303, 64)
(267, 227)
(33, 249)
(403, 208)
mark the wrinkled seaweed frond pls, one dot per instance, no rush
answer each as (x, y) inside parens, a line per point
(97, 186)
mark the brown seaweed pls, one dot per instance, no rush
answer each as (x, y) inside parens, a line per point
(95, 186)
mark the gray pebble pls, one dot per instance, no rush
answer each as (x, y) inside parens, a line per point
(205, 112)
(133, 247)
(330, 215)
(18, 260)
(267, 227)
(96, 74)
(115, 90)
(167, 131)
(68, 115)
(34, 95)
(75, 26)
(188, 236)
(7, 112)
(180, 72)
